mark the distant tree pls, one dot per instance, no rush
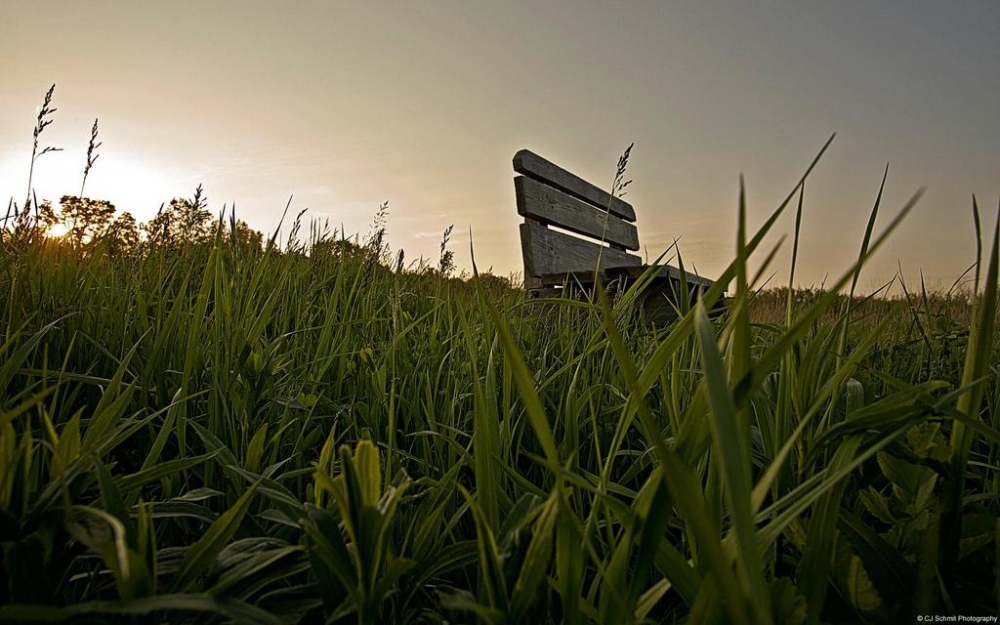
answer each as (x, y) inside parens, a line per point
(85, 219)
(47, 215)
(247, 238)
(335, 247)
(324, 243)
(182, 222)
(122, 236)
(494, 284)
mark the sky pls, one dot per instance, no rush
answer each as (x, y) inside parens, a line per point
(344, 105)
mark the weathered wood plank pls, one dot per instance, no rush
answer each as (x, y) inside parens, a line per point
(552, 206)
(549, 252)
(663, 274)
(534, 166)
(669, 271)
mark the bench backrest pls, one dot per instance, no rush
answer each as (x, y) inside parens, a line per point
(548, 195)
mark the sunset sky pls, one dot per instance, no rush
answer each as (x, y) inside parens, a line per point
(347, 104)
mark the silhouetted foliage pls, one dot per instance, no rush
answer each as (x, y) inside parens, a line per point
(446, 263)
(123, 236)
(92, 155)
(85, 219)
(183, 221)
(41, 123)
(47, 215)
(335, 248)
(375, 241)
(246, 237)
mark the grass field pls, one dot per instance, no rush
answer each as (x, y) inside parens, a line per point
(229, 432)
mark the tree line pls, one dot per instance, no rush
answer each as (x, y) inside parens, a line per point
(82, 221)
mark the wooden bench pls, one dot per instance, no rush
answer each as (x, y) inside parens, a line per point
(555, 203)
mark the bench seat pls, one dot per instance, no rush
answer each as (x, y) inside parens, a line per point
(571, 225)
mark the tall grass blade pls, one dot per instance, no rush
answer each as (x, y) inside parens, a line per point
(978, 357)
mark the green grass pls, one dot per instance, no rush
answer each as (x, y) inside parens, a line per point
(223, 433)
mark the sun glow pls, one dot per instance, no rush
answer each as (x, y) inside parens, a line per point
(127, 181)
(55, 231)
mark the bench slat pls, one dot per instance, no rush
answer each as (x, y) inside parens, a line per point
(530, 164)
(549, 205)
(669, 271)
(546, 252)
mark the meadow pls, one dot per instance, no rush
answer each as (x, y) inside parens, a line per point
(303, 430)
